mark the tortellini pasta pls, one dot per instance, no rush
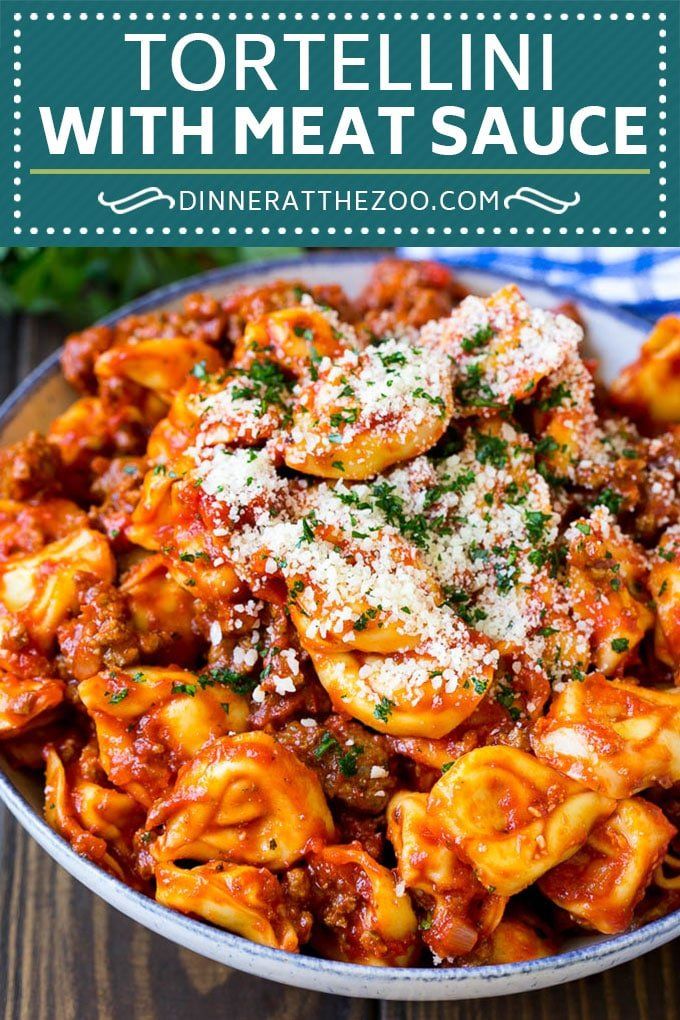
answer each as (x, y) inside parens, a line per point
(25, 702)
(364, 918)
(607, 573)
(152, 720)
(245, 900)
(650, 387)
(457, 909)
(357, 415)
(500, 349)
(244, 799)
(615, 737)
(515, 940)
(160, 365)
(296, 339)
(664, 584)
(97, 820)
(27, 527)
(512, 817)
(41, 587)
(604, 881)
(164, 613)
(410, 693)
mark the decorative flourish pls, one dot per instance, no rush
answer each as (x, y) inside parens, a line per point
(532, 196)
(129, 203)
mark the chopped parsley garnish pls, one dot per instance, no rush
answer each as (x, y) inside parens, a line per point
(612, 500)
(392, 506)
(347, 417)
(189, 689)
(434, 401)
(304, 334)
(535, 523)
(348, 762)
(505, 568)
(546, 445)
(363, 621)
(505, 696)
(267, 384)
(118, 696)
(473, 391)
(555, 398)
(583, 527)
(490, 449)
(479, 339)
(237, 682)
(390, 360)
(189, 557)
(447, 765)
(459, 484)
(309, 523)
(620, 644)
(326, 744)
(461, 602)
(383, 710)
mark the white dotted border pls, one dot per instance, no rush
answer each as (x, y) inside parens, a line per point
(333, 16)
(663, 84)
(17, 167)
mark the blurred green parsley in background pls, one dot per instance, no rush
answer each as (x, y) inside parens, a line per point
(82, 284)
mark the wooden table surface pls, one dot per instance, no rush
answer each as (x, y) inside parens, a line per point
(66, 955)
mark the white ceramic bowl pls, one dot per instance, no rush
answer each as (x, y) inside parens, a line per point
(614, 337)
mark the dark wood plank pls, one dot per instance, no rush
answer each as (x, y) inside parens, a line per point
(65, 955)
(647, 988)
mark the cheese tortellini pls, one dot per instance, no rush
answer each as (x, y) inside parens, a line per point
(613, 736)
(457, 909)
(512, 817)
(160, 365)
(412, 693)
(245, 799)
(650, 387)
(25, 702)
(41, 587)
(245, 900)
(98, 820)
(664, 584)
(604, 881)
(357, 415)
(152, 720)
(364, 917)
(607, 574)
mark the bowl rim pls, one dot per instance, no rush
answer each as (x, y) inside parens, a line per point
(207, 939)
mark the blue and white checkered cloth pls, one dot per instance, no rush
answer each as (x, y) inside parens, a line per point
(644, 280)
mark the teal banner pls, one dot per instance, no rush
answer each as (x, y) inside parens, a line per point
(340, 123)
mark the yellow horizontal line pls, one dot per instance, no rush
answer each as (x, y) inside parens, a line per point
(326, 172)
